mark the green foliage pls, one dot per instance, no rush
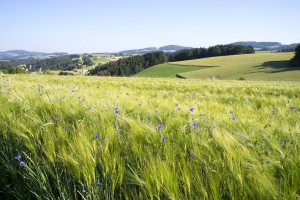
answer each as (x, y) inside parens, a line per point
(130, 65)
(218, 50)
(207, 153)
(17, 70)
(296, 59)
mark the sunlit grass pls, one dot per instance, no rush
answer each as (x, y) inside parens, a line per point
(98, 138)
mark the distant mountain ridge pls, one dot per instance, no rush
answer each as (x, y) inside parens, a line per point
(168, 48)
(17, 54)
(273, 46)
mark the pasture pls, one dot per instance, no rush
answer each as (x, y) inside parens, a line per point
(64, 137)
(166, 70)
(260, 66)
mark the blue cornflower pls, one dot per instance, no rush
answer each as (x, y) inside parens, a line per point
(116, 111)
(234, 118)
(293, 107)
(159, 126)
(195, 124)
(57, 119)
(192, 153)
(41, 94)
(231, 112)
(96, 136)
(22, 164)
(179, 108)
(18, 157)
(156, 111)
(163, 138)
(214, 125)
(98, 183)
(100, 147)
(192, 109)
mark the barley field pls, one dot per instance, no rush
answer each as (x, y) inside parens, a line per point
(136, 138)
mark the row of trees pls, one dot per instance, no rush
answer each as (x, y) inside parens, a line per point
(134, 64)
(218, 50)
(130, 65)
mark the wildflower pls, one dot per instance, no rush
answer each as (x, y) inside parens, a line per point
(192, 153)
(231, 112)
(116, 111)
(41, 94)
(179, 108)
(100, 147)
(156, 111)
(98, 184)
(56, 119)
(195, 124)
(232, 132)
(233, 118)
(18, 157)
(96, 136)
(163, 138)
(159, 126)
(214, 125)
(273, 111)
(293, 107)
(192, 109)
(22, 164)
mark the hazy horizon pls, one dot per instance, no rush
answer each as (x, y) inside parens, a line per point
(95, 26)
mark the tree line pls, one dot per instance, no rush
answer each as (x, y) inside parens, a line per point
(134, 64)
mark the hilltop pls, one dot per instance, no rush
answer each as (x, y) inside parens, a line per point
(271, 46)
(168, 48)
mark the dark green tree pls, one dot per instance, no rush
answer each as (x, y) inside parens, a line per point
(295, 62)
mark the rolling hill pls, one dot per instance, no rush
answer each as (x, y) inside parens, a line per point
(262, 66)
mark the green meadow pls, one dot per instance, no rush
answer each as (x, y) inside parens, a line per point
(260, 66)
(64, 137)
(167, 70)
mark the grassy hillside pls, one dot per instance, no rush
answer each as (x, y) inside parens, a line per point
(262, 66)
(136, 138)
(166, 70)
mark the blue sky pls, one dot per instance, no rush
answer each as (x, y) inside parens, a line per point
(79, 26)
